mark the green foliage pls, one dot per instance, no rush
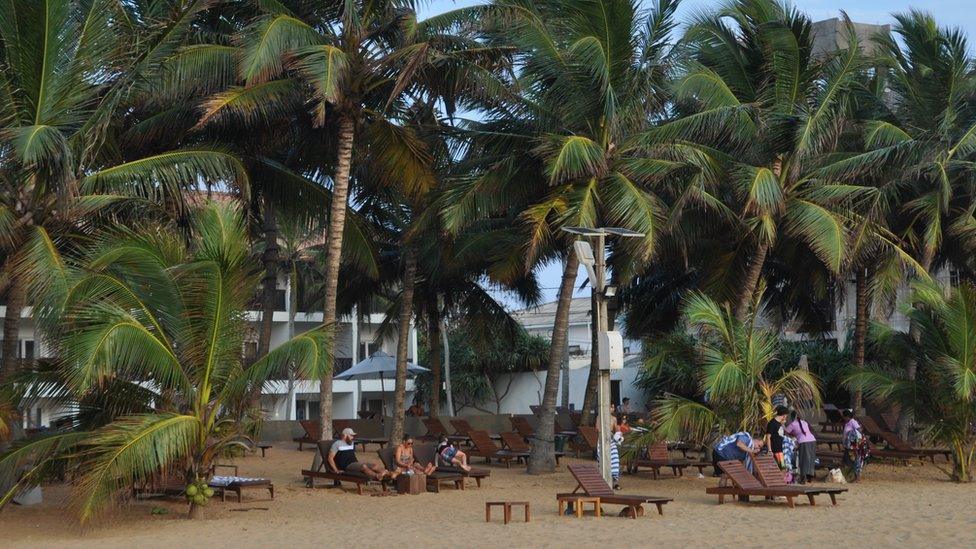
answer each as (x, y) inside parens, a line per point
(943, 394)
(478, 360)
(733, 362)
(147, 308)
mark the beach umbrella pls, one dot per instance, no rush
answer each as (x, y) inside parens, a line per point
(379, 366)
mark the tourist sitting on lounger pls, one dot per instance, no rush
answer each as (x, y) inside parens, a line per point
(342, 458)
(405, 461)
(739, 446)
(450, 455)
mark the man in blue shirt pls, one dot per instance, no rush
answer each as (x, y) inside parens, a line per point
(739, 446)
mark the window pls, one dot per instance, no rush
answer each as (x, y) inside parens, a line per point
(28, 349)
(301, 410)
(615, 392)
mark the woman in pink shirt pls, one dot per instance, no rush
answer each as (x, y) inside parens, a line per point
(807, 443)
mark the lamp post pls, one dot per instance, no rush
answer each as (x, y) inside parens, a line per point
(609, 349)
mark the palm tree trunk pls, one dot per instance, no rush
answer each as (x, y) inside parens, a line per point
(434, 340)
(905, 420)
(406, 313)
(543, 458)
(751, 282)
(11, 327)
(861, 318)
(270, 280)
(592, 380)
(337, 221)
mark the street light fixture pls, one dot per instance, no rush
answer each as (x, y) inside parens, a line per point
(609, 343)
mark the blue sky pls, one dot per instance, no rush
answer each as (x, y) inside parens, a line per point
(953, 13)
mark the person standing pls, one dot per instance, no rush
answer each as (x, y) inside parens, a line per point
(774, 435)
(807, 451)
(857, 449)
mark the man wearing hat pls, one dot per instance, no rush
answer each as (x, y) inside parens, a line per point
(342, 458)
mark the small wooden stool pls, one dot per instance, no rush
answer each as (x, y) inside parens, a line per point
(507, 505)
(264, 447)
(578, 502)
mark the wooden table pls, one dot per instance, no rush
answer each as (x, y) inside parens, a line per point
(578, 501)
(507, 505)
(264, 447)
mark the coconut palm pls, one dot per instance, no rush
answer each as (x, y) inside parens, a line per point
(146, 307)
(354, 63)
(733, 359)
(68, 71)
(756, 113)
(942, 396)
(591, 79)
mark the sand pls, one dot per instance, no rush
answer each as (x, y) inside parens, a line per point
(895, 506)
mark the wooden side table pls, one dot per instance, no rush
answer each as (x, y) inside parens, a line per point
(264, 447)
(507, 507)
(578, 502)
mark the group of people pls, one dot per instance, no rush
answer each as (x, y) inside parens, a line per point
(791, 441)
(342, 458)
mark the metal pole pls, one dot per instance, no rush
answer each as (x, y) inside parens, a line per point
(603, 413)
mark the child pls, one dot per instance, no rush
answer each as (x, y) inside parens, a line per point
(450, 455)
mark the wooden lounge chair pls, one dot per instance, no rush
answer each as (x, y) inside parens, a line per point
(897, 446)
(515, 443)
(536, 409)
(522, 425)
(771, 476)
(311, 435)
(745, 485)
(427, 453)
(591, 483)
(835, 422)
(658, 457)
(388, 457)
(587, 441)
(483, 446)
(436, 429)
(462, 428)
(359, 479)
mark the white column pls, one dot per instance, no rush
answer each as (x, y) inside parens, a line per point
(413, 341)
(355, 335)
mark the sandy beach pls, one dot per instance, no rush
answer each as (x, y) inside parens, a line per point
(895, 506)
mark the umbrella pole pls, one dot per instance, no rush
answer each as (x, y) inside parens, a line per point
(382, 396)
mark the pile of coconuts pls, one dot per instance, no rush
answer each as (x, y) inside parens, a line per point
(198, 492)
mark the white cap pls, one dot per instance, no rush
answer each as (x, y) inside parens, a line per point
(348, 431)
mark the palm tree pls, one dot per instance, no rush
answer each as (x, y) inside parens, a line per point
(145, 307)
(60, 130)
(355, 63)
(927, 139)
(756, 113)
(734, 359)
(591, 79)
(942, 396)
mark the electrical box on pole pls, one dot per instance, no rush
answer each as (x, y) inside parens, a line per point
(611, 350)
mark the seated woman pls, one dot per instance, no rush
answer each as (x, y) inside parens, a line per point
(405, 461)
(450, 455)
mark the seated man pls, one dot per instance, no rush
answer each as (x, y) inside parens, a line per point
(342, 458)
(739, 446)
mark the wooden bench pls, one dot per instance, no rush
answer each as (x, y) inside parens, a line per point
(507, 506)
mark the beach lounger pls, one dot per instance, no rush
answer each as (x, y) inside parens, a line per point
(426, 453)
(591, 483)
(898, 447)
(436, 429)
(835, 422)
(359, 479)
(587, 441)
(388, 457)
(771, 476)
(658, 457)
(483, 446)
(515, 443)
(535, 409)
(744, 485)
(237, 485)
(522, 425)
(462, 428)
(311, 436)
